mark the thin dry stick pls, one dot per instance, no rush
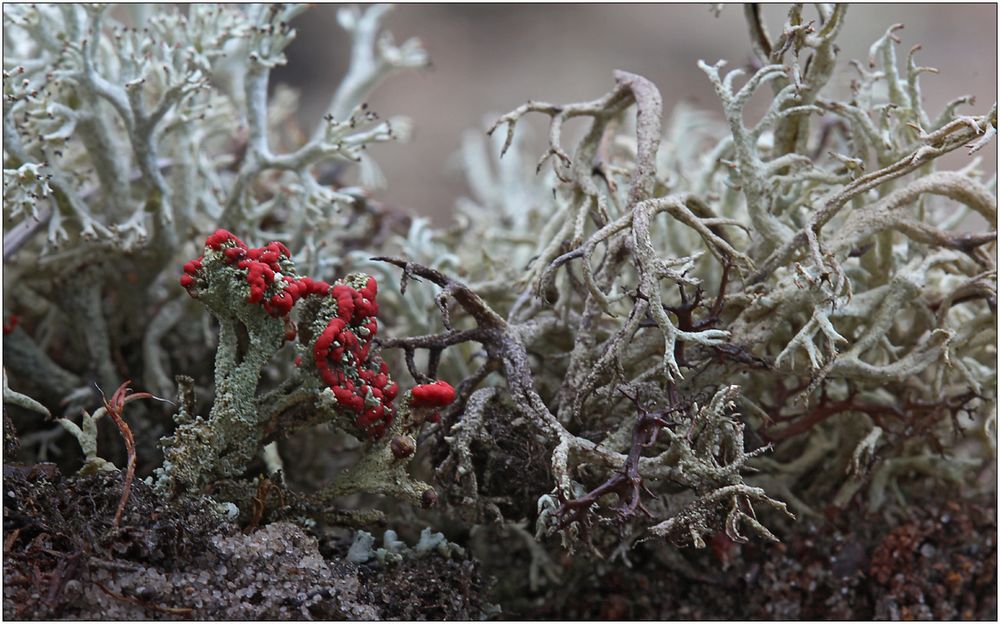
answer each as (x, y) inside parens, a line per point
(115, 407)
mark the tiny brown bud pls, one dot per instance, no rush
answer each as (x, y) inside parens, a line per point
(402, 446)
(428, 498)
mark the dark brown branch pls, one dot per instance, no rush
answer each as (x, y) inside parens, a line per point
(433, 341)
(502, 342)
(470, 301)
(758, 33)
(909, 412)
(626, 484)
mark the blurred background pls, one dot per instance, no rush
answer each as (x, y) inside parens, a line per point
(487, 59)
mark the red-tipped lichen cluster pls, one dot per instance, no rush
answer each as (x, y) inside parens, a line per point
(437, 394)
(342, 351)
(342, 355)
(262, 266)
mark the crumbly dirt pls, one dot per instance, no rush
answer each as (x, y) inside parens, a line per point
(431, 588)
(63, 559)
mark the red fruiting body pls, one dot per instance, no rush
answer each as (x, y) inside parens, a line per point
(723, 548)
(222, 236)
(191, 268)
(345, 344)
(437, 394)
(361, 385)
(262, 266)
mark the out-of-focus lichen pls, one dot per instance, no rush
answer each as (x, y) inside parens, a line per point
(129, 135)
(21, 400)
(394, 550)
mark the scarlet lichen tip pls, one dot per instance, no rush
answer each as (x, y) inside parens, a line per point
(264, 272)
(341, 352)
(220, 237)
(437, 394)
(360, 384)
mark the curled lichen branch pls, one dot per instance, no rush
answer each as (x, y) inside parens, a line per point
(689, 460)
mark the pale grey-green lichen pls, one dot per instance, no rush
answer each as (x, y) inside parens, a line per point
(683, 324)
(818, 258)
(394, 550)
(131, 133)
(16, 398)
(119, 129)
(242, 420)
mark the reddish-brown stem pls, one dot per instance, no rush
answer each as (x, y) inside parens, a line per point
(626, 483)
(115, 407)
(909, 412)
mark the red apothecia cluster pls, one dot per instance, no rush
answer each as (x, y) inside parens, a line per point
(10, 324)
(360, 382)
(261, 265)
(344, 346)
(433, 395)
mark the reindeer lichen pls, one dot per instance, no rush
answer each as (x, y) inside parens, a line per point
(670, 264)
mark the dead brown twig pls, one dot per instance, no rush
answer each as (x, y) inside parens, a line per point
(264, 489)
(115, 407)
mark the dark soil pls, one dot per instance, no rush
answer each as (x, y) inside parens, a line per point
(64, 559)
(431, 588)
(938, 564)
(171, 560)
